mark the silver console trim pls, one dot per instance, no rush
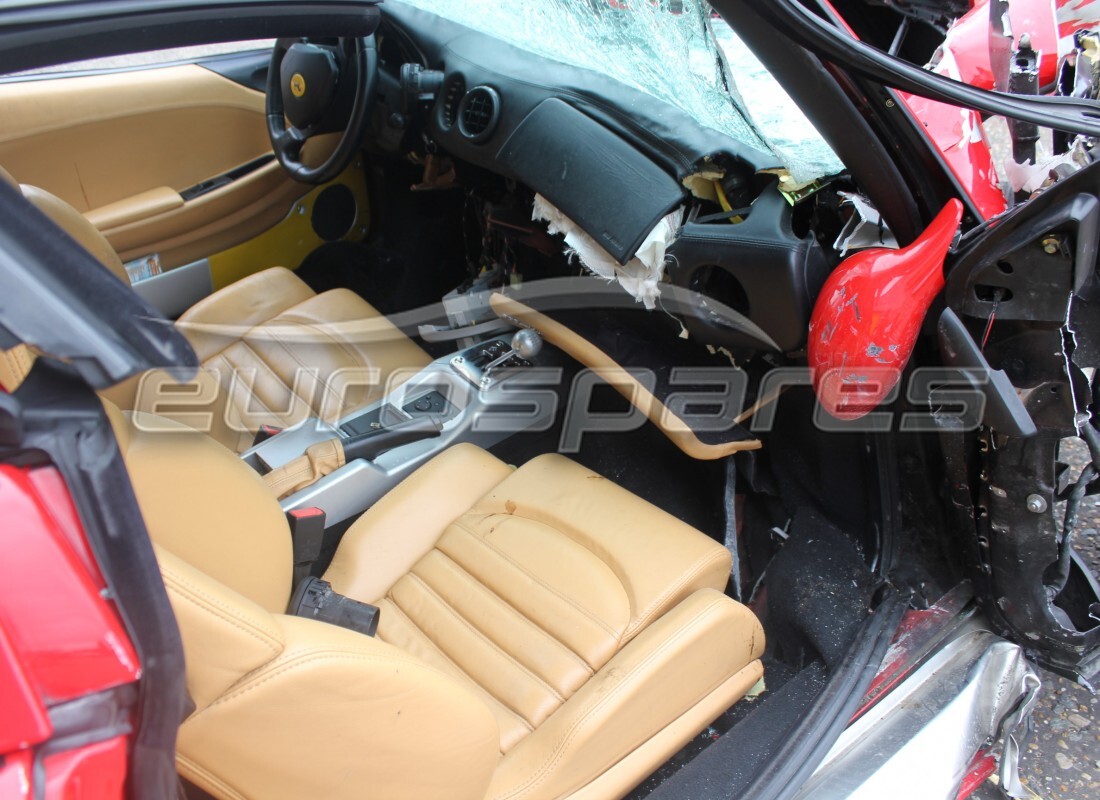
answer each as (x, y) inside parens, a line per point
(352, 489)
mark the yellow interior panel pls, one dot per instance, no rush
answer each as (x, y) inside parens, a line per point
(291, 240)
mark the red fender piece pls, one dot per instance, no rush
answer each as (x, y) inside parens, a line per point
(867, 317)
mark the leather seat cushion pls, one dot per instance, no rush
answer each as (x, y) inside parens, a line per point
(283, 353)
(274, 352)
(522, 584)
(544, 632)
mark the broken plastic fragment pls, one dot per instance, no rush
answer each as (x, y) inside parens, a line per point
(702, 183)
(865, 228)
(642, 274)
(1029, 178)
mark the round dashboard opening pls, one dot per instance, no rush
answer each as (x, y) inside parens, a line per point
(479, 113)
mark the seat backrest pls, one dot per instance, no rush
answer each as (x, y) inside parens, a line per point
(207, 507)
(285, 707)
(16, 363)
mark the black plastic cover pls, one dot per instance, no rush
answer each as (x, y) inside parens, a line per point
(374, 443)
(1004, 411)
(608, 187)
(316, 599)
(1011, 256)
(759, 267)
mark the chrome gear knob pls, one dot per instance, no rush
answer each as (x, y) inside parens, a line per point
(527, 343)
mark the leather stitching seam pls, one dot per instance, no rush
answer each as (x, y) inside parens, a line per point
(697, 569)
(193, 594)
(204, 774)
(508, 709)
(462, 620)
(519, 567)
(558, 750)
(518, 614)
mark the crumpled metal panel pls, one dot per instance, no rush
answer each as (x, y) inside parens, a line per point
(687, 59)
(919, 740)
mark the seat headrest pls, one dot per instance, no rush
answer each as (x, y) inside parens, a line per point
(78, 227)
(73, 223)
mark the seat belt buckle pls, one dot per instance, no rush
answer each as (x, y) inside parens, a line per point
(264, 433)
(307, 533)
(316, 599)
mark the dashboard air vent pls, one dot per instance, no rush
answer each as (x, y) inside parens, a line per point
(452, 96)
(478, 113)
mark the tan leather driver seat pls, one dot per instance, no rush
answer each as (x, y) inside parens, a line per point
(544, 633)
(272, 350)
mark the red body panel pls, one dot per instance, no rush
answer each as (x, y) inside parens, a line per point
(15, 775)
(966, 50)
(867, 317)
(60, 639)
(94, 772)
(957, 133)
(983, 766)
(25, 718)
(967, 55)
(68, 636)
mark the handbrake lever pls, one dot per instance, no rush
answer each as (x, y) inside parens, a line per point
(375, 443)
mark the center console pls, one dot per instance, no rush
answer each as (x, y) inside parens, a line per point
(472, 396)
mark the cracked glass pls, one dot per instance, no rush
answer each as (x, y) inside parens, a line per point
(675, 50)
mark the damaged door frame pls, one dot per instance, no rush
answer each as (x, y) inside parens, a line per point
(1001, 484)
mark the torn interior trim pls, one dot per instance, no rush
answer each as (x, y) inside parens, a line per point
(642, 274)
(864, 229)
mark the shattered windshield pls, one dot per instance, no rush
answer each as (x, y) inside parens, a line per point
(675, 50)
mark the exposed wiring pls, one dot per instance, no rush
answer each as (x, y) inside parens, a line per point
(997, 296)
(727, 207)
(1065, 550)
(1073, 504)
(1092, 440)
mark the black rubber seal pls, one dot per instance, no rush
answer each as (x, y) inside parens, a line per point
(814, 735)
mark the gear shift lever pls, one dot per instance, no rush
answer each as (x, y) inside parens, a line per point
(526, 343)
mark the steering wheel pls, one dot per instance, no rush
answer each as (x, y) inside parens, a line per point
(307, 85)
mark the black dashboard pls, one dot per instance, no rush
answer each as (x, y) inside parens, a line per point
(611, 158)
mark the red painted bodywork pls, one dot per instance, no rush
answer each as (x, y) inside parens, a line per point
(981, 768)
(967, 54)
(958, 134)
(966, 50)
(867, 317)
(92, 772)
(60, 639)
(918, 631)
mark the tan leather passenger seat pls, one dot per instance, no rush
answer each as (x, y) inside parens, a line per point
(544, 633)
(273, 351)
